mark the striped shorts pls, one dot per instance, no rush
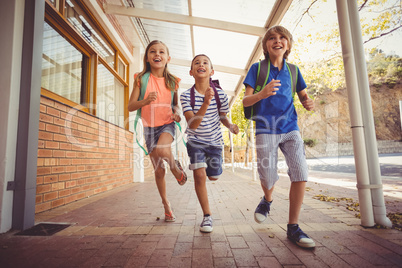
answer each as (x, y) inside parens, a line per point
(292, 147)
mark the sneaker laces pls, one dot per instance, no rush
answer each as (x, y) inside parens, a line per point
(207, 221)
(263, 207)
(299, 233)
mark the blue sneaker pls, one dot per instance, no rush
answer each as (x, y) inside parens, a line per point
(206, 224)
(296, 235)
(262, 210)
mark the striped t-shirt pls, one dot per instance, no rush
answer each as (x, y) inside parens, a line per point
(209, 131)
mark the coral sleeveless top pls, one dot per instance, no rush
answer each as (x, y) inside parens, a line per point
(159, 112)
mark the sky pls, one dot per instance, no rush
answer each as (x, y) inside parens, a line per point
(321, 18)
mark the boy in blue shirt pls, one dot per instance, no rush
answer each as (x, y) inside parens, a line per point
(276, 127)
(204, 145)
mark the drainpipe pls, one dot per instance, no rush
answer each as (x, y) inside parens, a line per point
(372, 207)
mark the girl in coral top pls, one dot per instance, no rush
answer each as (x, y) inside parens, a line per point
(158, 117)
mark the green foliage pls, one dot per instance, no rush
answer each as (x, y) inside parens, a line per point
(310, 142)
(238, 119)
(383, 69)
(323, 68)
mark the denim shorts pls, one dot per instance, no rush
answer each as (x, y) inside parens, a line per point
(152, 134)
(205, 156)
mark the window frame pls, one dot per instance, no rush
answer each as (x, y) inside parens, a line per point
(54, 16)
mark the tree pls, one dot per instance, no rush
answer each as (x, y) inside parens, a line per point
(317, 48)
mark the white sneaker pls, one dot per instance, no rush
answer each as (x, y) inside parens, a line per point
(206, 225)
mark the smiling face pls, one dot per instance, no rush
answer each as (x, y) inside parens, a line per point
(277, 45)
(277, 41)
(201, 66)
(157, 56)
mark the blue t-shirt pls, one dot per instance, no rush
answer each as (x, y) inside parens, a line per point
(276, 114)
(209, 131)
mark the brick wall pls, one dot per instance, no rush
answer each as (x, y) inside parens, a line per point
(79, 155)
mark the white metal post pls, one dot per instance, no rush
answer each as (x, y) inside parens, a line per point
(365, 149)
(231, 142)
(252, 148)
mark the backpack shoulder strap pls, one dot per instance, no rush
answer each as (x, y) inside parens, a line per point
(143, 88)
(192, 97)
(215, 84)
(293, 70)
(144, 84)
(264, 67)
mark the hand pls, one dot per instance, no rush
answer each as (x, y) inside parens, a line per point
(234, 128)
(308, 104)
(270, 89)
(176, 117)
(209, 94)
(152, 96)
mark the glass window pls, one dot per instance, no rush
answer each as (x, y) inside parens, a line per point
(109, 97)
(77, 17)
(62, 66)
(122, 69)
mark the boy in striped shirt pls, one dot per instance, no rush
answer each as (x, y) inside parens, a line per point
(204, 145)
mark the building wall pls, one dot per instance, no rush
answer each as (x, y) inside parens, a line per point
(79, 155)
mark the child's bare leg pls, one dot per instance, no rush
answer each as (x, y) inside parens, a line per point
(165, 152)
(200, 179)
(296, 195)
(160, 179)
(267, 193)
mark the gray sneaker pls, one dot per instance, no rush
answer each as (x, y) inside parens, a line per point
(206, 225)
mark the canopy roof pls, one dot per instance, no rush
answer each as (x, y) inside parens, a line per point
(228, 31)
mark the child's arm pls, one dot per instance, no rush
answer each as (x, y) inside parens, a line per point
(176, 114)
(134, 104)
(305, 100)
(225, 121)
(268, 91)
(194, 120)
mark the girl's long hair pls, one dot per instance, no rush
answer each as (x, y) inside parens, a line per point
(170, 79)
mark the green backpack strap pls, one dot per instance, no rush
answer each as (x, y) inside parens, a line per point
(264, 67)
(144, 84)
(293, 70)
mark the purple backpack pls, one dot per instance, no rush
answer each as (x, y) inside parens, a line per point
(214, 84)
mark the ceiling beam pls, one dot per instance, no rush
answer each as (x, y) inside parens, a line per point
(275, 17)
(183, 19)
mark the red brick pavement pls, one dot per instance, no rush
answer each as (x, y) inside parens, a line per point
(125, 228)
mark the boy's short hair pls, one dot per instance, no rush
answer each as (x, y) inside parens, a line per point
(191, 67)
(279, 30)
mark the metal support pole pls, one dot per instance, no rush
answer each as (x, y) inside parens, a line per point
(28, 117)
(231, 142)
(252, 148)
(365, 149)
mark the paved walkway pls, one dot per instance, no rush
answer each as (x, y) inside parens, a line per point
(125, 228)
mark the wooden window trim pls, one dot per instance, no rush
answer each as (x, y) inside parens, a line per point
(63, 27)
(56, 97)
(55, 17)
(113, 71)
